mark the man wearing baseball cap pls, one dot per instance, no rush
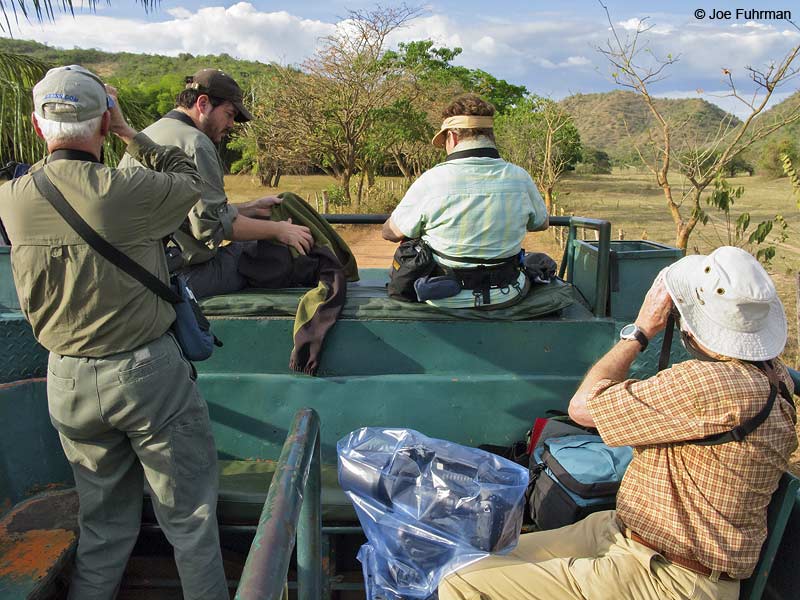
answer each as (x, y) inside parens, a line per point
(711, 438)
(473, 207)
(120, 393)
(205, 112)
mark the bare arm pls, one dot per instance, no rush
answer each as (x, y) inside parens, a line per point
(284, 232)
(391, 233)
(616, 364)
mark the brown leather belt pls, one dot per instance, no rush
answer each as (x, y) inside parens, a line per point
(686, 563)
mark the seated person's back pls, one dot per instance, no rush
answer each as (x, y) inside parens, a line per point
(472, 206)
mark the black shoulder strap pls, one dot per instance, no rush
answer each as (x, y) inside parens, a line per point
(91, 237)
(474, 152)
(666, 344)
(738, 433)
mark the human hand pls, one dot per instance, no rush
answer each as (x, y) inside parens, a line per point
(260, 208)
(118, 125)
(655, 309)
(297, 236)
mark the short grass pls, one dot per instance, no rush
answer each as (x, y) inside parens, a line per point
(635, 206)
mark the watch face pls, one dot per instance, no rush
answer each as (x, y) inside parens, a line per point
(627, 331)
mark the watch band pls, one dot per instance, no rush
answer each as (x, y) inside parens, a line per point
(641, 338)
(636, 334)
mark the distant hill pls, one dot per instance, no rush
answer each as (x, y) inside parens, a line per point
(135, 68)
(611, 121)
(771, 115)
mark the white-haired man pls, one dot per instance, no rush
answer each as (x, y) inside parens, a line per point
(711, 438)
(120, 393)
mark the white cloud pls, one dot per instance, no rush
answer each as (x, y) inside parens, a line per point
(239, 30)
(552, 53)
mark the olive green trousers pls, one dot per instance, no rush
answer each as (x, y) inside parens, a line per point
(123, 420)
(589, 560)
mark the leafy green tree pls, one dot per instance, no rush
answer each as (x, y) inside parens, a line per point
(761, 240)
(770, 163)
(539, 135)
(595, 162)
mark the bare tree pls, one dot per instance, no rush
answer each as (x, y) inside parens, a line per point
(329, 108)
(636, 67)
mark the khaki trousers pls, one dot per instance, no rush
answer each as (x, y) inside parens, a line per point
(589, 560)
(124, 419)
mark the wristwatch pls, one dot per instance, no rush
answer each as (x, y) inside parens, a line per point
(632, 332)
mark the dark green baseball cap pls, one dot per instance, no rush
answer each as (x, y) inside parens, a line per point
(70, 94)
(220, 85)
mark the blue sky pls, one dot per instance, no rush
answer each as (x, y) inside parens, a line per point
(549, 46)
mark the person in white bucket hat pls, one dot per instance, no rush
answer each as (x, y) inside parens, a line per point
(711, 437)
(728, 304)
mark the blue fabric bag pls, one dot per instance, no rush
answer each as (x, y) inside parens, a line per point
(574, 476)
(427, 507)
(191, 327)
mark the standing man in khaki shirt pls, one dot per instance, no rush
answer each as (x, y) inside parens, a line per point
(205, 112)
(120, 393)
(690, 517)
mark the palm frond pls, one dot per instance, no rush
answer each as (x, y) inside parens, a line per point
(18, 141)
(18, 75)
(44, 10)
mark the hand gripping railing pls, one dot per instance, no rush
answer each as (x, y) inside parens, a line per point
(292, 506)
(602, 227)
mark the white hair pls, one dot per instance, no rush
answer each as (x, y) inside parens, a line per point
(59, 132)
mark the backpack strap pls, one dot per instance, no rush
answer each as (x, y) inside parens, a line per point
(117, 258)
(740, 432)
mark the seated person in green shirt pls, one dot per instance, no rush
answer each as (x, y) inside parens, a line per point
(205, 113)
(472, 206)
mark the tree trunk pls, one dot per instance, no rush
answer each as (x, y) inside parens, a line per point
(346, 175)
(548, 199)
(360, 189)
(276, 178)
(401, 164)
(682, 237)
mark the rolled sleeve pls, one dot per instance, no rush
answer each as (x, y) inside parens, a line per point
(539, 211)
(211, 219)
(170, 183)
(666, 408)
(409, 216)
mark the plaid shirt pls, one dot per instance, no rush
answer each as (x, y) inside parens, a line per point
(707, 503)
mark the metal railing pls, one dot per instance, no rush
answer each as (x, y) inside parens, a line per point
(292, 509)
(603, 228)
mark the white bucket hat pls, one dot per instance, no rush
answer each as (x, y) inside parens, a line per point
(729, 304)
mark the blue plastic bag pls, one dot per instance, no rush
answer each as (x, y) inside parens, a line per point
(427, 507)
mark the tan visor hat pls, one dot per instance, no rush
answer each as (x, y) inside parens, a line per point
(461, 122)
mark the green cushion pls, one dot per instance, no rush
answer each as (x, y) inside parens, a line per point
(367, 299)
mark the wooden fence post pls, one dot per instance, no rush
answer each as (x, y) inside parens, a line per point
(325, 202)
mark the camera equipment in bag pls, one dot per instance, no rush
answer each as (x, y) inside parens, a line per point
(191, 328)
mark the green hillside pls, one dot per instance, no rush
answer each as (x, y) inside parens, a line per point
(616, 121)
(134, 67)
(774, 114)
